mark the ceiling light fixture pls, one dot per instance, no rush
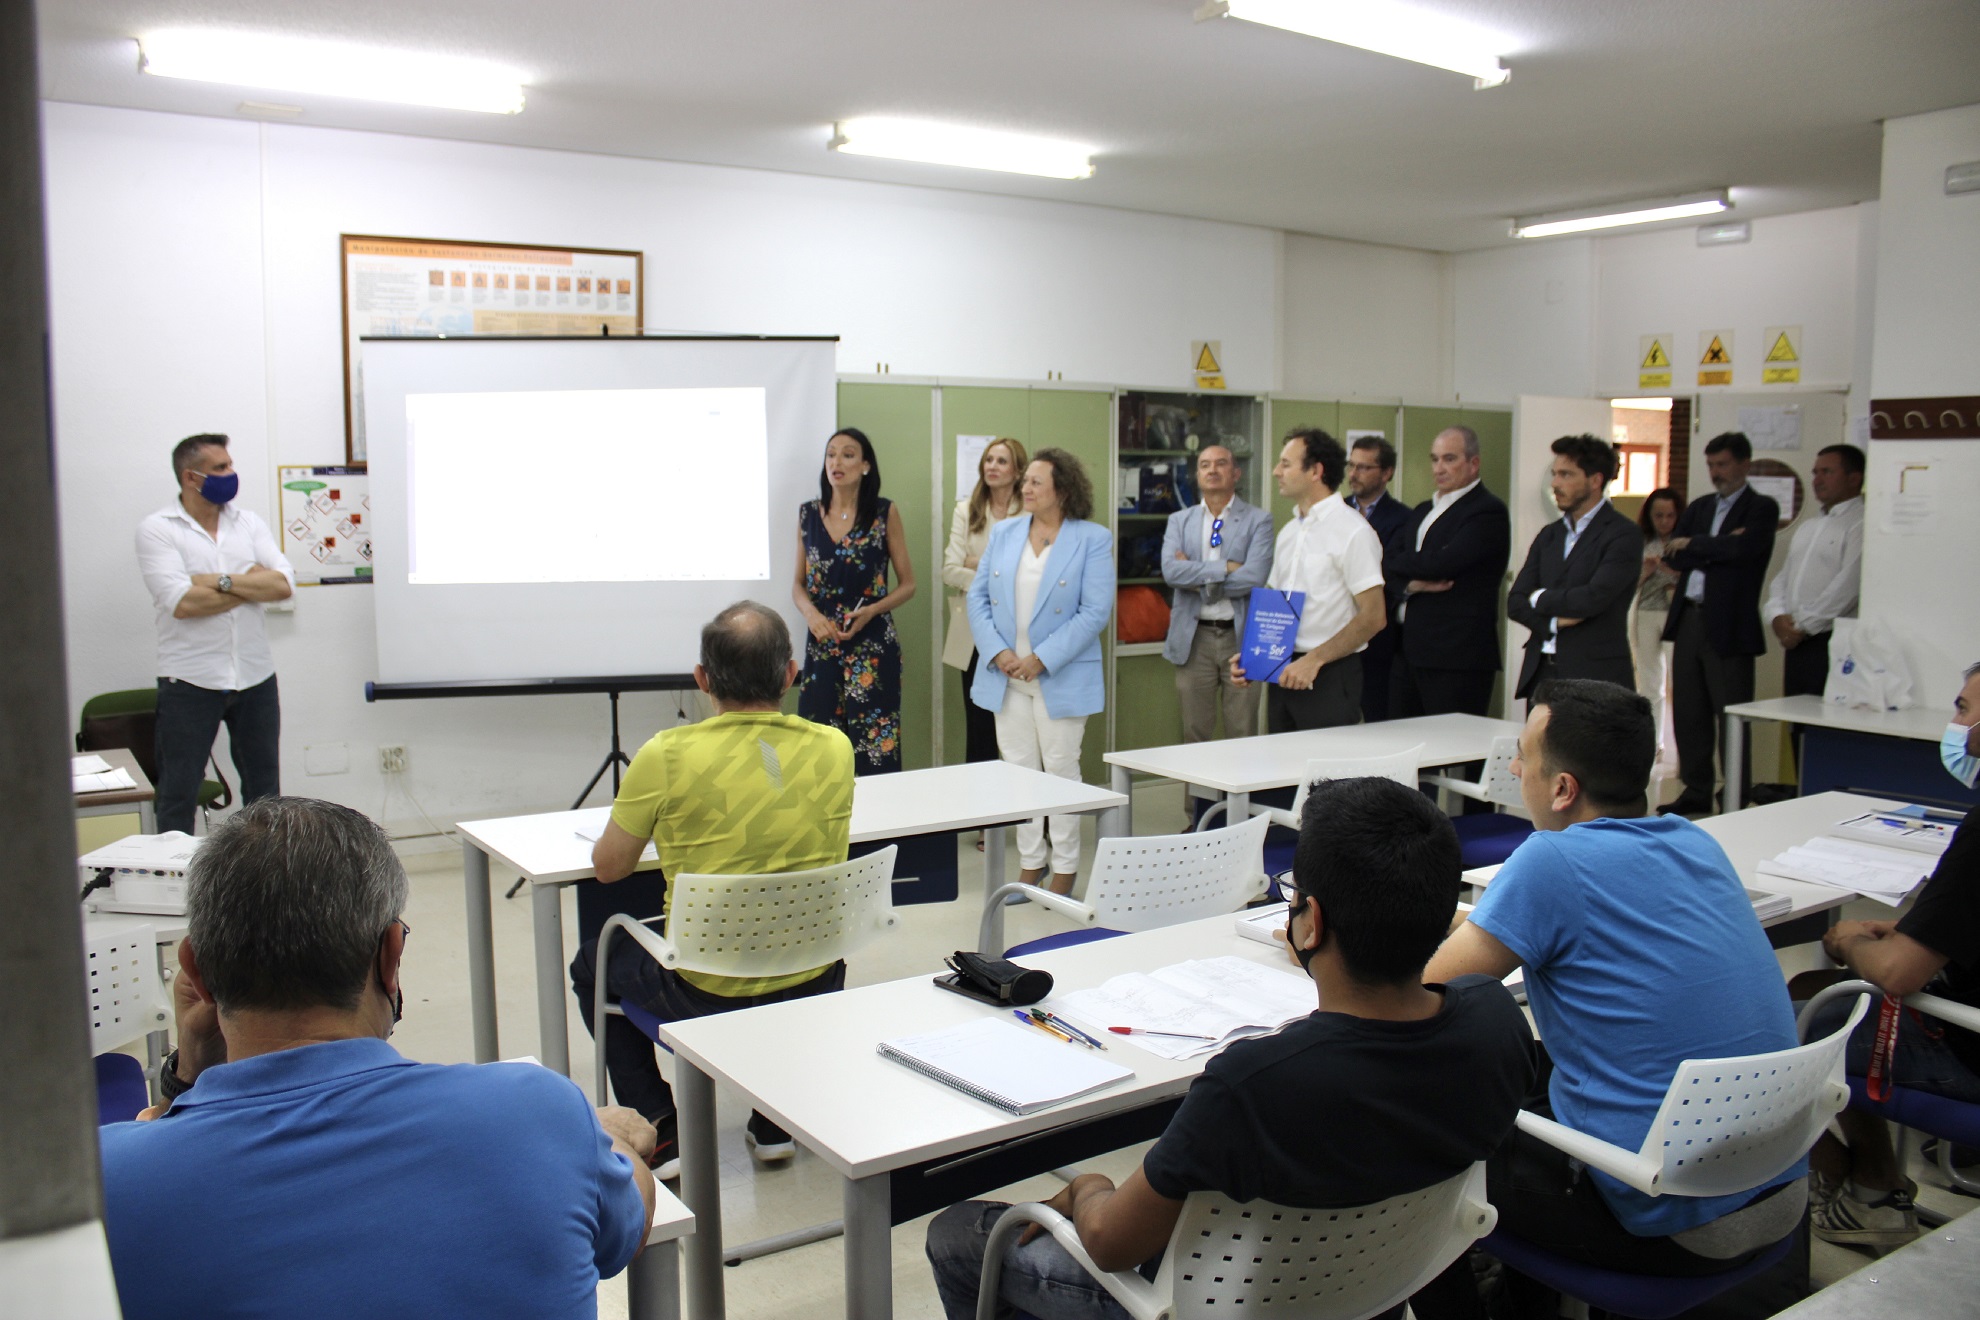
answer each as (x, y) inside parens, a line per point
(971, 148)
(330, 68)
(1622, 213)
(1386, 29)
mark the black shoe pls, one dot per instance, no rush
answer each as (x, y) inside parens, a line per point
(768, 1143)
(1688, 804)
(665, 1161)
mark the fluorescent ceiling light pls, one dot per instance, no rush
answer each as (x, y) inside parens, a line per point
(331, 68)
(1622, 213)
(1386, 29)
(971, 148)
(1646, 405)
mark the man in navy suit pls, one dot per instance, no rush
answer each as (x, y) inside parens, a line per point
(1574, 592)
(1721, 549)
(1371, 467)
(1444, 569)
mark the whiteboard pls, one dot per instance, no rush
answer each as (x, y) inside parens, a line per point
(1921, 541)
(495, 613)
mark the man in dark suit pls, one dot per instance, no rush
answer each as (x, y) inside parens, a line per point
(1575, 589)
(1371, 467)
(1721, 549)
(1444, 569)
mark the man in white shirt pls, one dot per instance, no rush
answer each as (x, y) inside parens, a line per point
(1329, 552)
(1824, 569)
(211, 568)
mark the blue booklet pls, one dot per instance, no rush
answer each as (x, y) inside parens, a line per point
(1271, 625)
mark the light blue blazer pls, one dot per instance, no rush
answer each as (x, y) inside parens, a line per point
(1074, 599)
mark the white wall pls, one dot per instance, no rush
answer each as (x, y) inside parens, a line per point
(1360, 321)
(1523, 321)
(194, 287)
(1927, 344)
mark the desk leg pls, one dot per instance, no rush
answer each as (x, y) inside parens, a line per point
(1120, 820)
(701, 1189)
(553, 1039)
(147, 818)
(653, 1283)
(1239, 810)
(1735, 760)
(993, 856)
(481, 954)
(869, 1248)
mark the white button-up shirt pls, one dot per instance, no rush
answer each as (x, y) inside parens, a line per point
(1440, 502)
(225, 652)
(1333, 555)
(1824, 570)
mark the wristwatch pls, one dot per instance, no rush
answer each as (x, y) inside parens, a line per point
(170, 1087)
(226, 582)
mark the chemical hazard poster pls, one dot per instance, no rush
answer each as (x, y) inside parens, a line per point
(326, 524)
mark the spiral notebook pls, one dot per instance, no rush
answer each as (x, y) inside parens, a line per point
(1001, 1063)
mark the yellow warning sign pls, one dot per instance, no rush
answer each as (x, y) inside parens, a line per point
(1208, 356)
(1715, 357)
(1782, 365)
(1206, 361)
(1653, 368)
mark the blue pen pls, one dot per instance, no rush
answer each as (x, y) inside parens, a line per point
(1052, 1019)
(1031, 1021)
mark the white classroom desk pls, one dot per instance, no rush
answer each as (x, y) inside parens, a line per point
(1757, 833)
(810, 1064)
(122, 801)
(1924, 723)
(166, 932)
(547, 850)
(1235, 768)
(653, 1280)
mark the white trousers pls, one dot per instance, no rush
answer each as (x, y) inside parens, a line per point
(1653, 665)
(1027, 736)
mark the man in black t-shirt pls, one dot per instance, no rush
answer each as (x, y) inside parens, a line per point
(1859, 1195)
(1389, 1087)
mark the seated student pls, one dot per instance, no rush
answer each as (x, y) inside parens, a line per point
(1861, 1196)
(1392, 1085)
(1641, 950)
(748, 791)
(303, 1167)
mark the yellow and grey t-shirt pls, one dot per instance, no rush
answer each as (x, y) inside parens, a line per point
(745, 793)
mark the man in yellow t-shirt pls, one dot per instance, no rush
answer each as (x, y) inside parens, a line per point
(749, 791)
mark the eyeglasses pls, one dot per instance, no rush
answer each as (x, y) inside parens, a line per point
(1216, 532)
(404, 929)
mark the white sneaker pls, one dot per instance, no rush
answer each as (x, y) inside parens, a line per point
(768, 1143)
(1841, 1217)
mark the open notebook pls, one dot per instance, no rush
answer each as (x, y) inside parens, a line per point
(1003, 1064)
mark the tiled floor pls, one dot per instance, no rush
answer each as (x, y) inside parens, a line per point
(805, 1282)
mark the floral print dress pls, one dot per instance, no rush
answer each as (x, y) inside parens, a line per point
(853, 686)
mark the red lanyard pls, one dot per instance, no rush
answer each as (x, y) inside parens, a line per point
(1878, 1081)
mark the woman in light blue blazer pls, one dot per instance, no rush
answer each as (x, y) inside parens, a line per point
(1040, 600)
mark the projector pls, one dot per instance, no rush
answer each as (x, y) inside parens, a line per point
(143, 873)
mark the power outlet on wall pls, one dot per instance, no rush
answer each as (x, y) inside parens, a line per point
(392, 760)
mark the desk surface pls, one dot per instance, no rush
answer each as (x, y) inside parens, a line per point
(547, 848)
(877, 1115)
(1936, 1276)
(120, 758)
(671, 1219)
(1925, 723)
(1278, 760)
(1757, 833)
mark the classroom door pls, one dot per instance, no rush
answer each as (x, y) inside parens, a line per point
(1538, 421)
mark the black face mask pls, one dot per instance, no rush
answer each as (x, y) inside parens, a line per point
(1305, 956)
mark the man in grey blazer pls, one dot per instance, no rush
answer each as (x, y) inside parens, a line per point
(1213, 554)
(1574, 592)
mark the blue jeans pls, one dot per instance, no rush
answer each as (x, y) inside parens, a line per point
(1039, 1278)
(188, 718)
(1921, 1063)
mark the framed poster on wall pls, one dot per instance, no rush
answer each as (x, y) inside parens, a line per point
(425, 286)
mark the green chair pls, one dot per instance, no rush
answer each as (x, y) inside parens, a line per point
(129, 719)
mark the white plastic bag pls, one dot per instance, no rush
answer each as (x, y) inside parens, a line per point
(1866, 669)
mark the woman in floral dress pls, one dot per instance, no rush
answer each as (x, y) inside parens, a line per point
(852, 660)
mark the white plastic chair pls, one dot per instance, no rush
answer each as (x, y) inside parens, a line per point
(126, 997)
(1399, 766)
(1726, 1125)
(1498, 785)
(1147, 881)
(757, 925)
(1238, 1257)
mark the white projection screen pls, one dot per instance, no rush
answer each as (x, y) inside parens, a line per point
(578, 508)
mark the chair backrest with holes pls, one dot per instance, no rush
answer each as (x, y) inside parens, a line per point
(1501, 786)
(773, 925)
(1153, 880)
(1400, 766)
(1729, 1125)
(126, 998)
(1246, 1258)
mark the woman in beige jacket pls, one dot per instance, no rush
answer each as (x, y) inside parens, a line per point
(995, 498)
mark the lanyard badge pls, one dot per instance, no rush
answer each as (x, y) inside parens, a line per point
(1877, 1082)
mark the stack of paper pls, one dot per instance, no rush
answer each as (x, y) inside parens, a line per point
(107, 780)
(1767, 906)
(1869, 869)
(89, 763)
(1207, 1003)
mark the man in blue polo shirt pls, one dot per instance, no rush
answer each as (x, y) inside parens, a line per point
(1641, 950)
(312, 1171)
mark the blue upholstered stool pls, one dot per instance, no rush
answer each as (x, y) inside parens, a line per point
(1643, 1296)
(120, 1088)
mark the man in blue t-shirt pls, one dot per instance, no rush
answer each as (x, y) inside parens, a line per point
(303, 1168)
(1640, 951)
(1391, 1086)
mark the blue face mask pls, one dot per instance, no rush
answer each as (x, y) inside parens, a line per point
(1960, 763)
(219, 489)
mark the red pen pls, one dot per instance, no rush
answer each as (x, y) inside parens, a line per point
(1144, 1031)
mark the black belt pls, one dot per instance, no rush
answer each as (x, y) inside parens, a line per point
(1225, 624)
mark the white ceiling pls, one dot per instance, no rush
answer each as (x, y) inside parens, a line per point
(1610, 100)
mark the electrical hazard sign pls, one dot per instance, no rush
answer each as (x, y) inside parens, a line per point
(1208, 355)
(1715, 357)
(1782, 365)
(1653, 365)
